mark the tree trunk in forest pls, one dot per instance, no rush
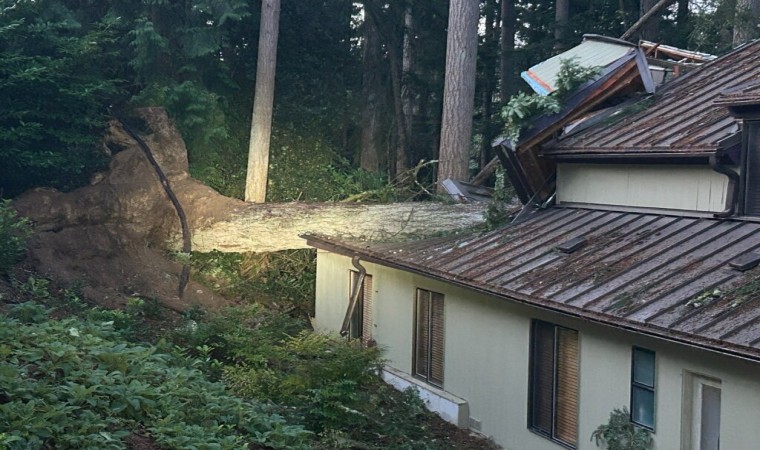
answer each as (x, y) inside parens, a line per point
(507, 41)
(561, 19)
(648, 29)
(407, 92)
(261, 122)
(459, 90)
(746, 21)
(369, 158)
(489, 58)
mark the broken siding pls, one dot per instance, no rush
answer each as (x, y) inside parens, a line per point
(679, 187)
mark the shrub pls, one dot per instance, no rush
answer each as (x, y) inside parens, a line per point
(620, 434)
(14, 231)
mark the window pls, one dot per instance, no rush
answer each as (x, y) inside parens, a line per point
(360, 324)
(428, 337)
(752, 169)
(642, 387)
(554, 370)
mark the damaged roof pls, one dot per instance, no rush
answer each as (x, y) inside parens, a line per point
(686, 118)
(594, 51)
(685, 279)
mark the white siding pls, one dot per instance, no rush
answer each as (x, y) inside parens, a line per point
(486, 360)
(691, 188)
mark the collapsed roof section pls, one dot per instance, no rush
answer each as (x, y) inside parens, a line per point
(687, 118)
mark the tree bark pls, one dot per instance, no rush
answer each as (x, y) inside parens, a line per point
(507, 49)
(369, 158)
(459, 90)
(489, 58)
(746, 21)
(274, 227)
(561, 19)
(261, 122)
(649, 27)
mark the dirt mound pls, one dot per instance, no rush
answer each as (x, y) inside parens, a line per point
(110, 237)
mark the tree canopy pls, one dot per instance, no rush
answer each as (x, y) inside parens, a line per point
(357, 81)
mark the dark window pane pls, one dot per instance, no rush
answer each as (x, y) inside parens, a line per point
(643, 367)
(642, 406)
(542, 378)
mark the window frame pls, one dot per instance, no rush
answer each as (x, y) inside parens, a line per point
(641, 386)
(362, 314)
(553, 433)
(428, 377)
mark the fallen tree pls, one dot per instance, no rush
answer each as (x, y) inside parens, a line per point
(115, 233)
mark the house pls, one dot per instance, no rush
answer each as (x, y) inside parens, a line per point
(635, 283)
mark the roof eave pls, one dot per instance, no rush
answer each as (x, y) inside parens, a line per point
(725, 348)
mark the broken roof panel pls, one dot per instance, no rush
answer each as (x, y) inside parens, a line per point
(667, 276)
(594, 51)
(684, 120)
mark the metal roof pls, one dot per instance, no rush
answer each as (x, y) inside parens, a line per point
(665, 276)
(683, 120)
(594, 51)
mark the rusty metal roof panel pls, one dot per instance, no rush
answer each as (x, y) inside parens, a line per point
(662, 275)
(688, 116)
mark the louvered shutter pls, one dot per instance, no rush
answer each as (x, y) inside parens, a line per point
(566, 418)
(422, 334)
(542, 377)
(367, 308)
(437, 337)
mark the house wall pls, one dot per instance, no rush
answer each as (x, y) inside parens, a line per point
(486, 360)
(691, 188)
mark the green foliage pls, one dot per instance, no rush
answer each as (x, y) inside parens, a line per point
(496, 213)
(14, 231)
(620, 434)
(74, 384)
(522, 109)
(55, 97)
(285, 278)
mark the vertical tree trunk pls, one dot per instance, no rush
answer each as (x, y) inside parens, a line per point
(369, 158)
(507, 64)
(649, 29)
(489, 58)
(261, 123)
(407, 59)
(561, 18)
(746, 21)
(459, 90)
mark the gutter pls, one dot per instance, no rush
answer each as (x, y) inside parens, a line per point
(325, 243)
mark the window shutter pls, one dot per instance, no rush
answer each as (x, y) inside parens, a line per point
(367, 308)
(566, 420)
(437, 336)
(542, 384)
(421, 339)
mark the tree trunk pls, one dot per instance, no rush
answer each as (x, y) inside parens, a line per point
(561, 18)
(407, 94)
(459, 90)
(273, 227)
(507, 64)
(489, 58)
(650, 28)
(369, 158)
(746, 21)
(261, 122)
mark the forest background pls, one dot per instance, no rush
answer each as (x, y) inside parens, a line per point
(359, 85)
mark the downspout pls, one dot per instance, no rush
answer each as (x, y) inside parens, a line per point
(733, 184)
(354, 295)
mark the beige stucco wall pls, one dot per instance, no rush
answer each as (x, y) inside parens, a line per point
(486, 360)
(692, 188)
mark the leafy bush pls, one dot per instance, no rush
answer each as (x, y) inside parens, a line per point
(620, 434)
(13, 233)
(75, 384)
